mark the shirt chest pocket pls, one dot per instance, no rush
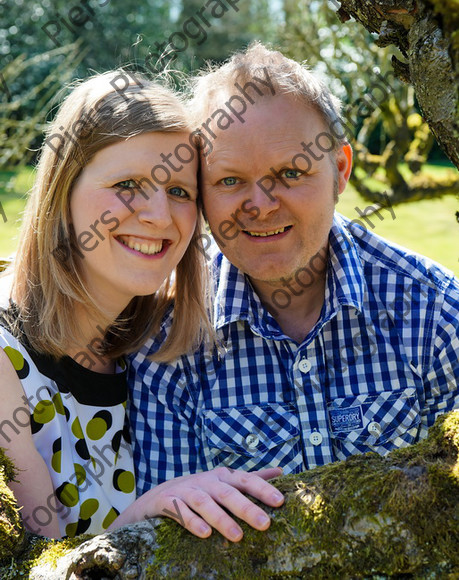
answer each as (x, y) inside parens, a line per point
(379, 422)
(253, 436)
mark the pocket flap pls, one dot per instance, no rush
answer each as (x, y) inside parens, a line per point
(374, 419)
(250, 430)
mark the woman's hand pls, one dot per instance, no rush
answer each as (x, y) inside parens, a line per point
(195, 501)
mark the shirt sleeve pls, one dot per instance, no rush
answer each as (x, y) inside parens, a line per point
(442, 380)
(163, 421)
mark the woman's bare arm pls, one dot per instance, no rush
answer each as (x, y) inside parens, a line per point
(33, 488)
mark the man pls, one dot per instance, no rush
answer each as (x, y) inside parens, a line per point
(332, 341)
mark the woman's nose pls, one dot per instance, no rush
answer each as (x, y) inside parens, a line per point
(156, 209)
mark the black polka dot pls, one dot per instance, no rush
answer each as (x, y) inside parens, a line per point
(82, 526)
(34, 425)
(24, 372)
(105, 416)
(82, 449)
(116, 441)
(126, 432)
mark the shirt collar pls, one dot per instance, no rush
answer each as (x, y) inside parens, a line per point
(235, 298)
(346, 283)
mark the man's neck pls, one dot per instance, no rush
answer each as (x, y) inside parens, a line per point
(296, 312)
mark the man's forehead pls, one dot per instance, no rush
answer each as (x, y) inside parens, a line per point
(280, 122)
(239, 108)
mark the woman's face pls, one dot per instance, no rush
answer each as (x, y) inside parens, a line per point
(133, 210)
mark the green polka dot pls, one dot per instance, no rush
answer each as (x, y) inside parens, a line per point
(58, 404)
(56, 462)
(20, 364)
(70, 529)
(96, 428)
(110, 518)
(123, 481)
(44, 412)
(68, 494)
(56, 459)
(77, 430)
(16, 358)
(88, 508)
(80, 473)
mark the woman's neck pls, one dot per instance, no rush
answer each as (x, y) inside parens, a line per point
(86, 349)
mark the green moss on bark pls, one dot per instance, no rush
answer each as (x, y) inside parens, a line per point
(366, 517)
(11, 528)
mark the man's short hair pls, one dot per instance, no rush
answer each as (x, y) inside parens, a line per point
(286, 75)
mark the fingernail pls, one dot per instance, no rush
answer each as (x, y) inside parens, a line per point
(277, 496)
(235, 533)
(262, 520)
(204, 529)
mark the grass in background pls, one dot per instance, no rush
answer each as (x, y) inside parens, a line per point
(13, 189)
(428, 227)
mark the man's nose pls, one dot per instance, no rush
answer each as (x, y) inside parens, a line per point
(266, 198)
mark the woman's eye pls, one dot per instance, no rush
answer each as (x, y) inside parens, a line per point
(229, 180)
(178, 192)
(291, 173)
(126, 184)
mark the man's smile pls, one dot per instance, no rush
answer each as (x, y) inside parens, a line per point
(267, 233)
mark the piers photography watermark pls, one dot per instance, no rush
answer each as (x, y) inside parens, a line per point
(3, 214)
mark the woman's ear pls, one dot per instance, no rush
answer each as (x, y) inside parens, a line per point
(344, 166)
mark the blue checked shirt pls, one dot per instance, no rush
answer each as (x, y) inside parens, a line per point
(373, 374)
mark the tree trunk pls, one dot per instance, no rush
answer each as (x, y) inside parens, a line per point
(367, 517)
(426, 32)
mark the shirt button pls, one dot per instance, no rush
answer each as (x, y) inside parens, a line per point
(252, 440)
(374, 428)
(304, 365)
(315, 438)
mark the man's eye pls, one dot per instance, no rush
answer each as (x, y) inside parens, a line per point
(126, 184)
(291, 173)
(178, 192)
(229, 180)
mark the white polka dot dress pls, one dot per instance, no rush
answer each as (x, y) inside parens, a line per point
(79, 427)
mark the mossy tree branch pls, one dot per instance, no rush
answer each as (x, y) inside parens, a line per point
(367, 517)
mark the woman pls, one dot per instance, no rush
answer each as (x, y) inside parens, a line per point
(104, 251)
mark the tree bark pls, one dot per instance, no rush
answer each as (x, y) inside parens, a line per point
(426, 32)
(367, 517)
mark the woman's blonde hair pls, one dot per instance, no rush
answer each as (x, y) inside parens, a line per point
(103, 110)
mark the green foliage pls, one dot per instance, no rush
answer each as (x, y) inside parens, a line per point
(23, 115)
(44, 44)
(385, 127)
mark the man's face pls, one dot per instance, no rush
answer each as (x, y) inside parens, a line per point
(269, 193)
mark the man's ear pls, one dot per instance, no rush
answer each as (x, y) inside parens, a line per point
(344, 166)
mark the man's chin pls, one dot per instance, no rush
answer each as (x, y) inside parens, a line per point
(274, 277)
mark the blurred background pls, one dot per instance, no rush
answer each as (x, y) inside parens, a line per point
(46, 44)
